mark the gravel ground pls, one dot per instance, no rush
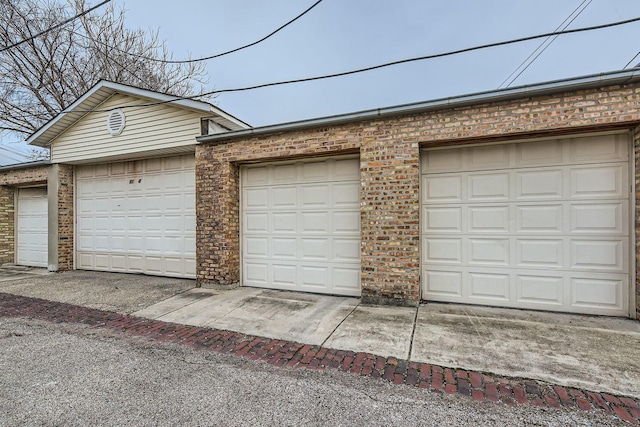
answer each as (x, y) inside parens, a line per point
(57, 374)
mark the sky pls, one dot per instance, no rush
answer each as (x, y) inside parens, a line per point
(340, 35)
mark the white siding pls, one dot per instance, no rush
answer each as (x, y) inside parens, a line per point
(158, 129)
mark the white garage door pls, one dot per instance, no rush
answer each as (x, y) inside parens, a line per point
(137, 217)
(541, 225)
(301, 226)
(31, 218)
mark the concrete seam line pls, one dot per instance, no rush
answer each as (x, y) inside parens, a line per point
(339, 324)
(413, 332)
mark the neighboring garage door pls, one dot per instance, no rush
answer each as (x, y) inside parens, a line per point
(137, 217)
(301, 226)
(539, 225)
(31, 218)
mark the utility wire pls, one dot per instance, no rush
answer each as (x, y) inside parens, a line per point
(374, 67)
(65, 22)
(206, 58)
(562, 26)
(10, 157)
(632, 59)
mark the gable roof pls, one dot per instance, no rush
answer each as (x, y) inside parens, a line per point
(103, 90)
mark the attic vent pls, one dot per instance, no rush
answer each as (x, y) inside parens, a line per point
(115, 122)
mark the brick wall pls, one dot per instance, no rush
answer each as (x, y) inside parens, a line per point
(65, 217)
(636, 150)
(9, 180)
(389, 158)
(7, 224)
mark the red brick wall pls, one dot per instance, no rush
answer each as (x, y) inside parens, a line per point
(389, 155)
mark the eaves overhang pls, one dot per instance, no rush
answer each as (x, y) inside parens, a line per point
(539, 89)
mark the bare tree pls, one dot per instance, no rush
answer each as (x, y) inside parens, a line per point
(42, 76)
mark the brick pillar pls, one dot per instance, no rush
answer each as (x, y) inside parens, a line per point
(217, 219)
(7, 225)
(390, 222)
(60, 195)
(636, 151)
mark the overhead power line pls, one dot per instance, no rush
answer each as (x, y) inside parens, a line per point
(65, 22)
(217, 55)
(631, 60)
(374, 67)
(545, 44)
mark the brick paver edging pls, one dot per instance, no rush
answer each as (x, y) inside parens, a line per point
(477, 385)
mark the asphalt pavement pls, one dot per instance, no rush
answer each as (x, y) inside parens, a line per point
(71, 375)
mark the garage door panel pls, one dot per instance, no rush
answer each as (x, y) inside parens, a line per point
(598, 292)
(555, 217)
(140, 218)
(598, 149)
(609, 255)
(538, 153)
(443, 284)
(346, 281)
(442, 161)
(346, 195)
(442, 189)
(447, 251)
(284, 197)
(346, 169)
(118, 263)
(284, 276)
(599, 182)
(545, 219)
(135, 263)
(315, 196)
(281, 174)
(488, 219)
(314, 171)
(494, 252)
(345, 222)
(256, 176)
(101, 261)
(314, 249)
(345, 250)
(284, 222)
(256, 222)
(154, 265)
(314, 222)
(600, 218)
(118, 243)
(283, 248)
(540, 253)
(446, 219)
(490, 286)
(539, 184)
(306, 217)
(540, 290)
(256, 247)
(488, 187)
(484, 157)
(314, 278)
(256, 198)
